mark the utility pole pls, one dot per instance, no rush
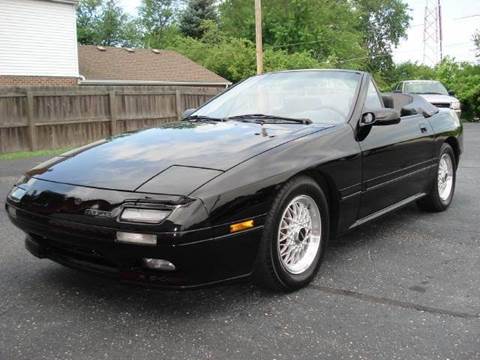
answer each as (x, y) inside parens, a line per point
(258, 35)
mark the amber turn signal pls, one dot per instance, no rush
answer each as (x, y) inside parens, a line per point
(241, 226)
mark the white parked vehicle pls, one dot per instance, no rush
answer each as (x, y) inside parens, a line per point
(433, 91)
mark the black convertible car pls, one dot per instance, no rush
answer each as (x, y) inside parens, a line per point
(253, 183)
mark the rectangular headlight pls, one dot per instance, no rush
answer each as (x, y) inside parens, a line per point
(134, 238)
(455, 105)
(17, 194)
(149, 216)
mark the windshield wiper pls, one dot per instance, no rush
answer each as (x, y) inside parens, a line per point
(263, 118)
(202, 117)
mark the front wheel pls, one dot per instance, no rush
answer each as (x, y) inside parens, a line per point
(441, 193)
(294, 238)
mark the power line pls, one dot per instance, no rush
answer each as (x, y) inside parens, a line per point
(459, 44)
(298, 43)
(467, 17)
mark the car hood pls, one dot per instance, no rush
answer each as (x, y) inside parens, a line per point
(438, 99)
(172, 159)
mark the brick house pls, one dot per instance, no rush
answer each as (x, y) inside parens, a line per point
(38, 43)
(38, 47)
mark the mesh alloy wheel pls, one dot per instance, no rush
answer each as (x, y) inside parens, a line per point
(445, 177)
(442, 189)
(299, 234)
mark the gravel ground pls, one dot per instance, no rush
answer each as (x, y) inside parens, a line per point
(405, 287)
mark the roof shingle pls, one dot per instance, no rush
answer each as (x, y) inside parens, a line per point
(120, 64)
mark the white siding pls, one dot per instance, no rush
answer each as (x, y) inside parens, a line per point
(38, 38)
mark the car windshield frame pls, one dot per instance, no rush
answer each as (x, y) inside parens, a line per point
(441, 89)
(221, 105)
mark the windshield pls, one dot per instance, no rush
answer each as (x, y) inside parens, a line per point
(320, 96)
(425, 87)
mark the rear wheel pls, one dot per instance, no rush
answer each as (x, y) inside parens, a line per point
(295, 234)
(441, 193)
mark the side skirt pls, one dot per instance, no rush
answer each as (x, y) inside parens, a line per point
(386, 210)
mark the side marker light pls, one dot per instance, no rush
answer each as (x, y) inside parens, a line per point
(242, 226)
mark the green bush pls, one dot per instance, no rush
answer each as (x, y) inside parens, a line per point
(464, 80)
(235, 58)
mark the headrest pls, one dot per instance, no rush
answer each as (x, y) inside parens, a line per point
(409, 104)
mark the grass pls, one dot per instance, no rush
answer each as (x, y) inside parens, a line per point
(30, 154)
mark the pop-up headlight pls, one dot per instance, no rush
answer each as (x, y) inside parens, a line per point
(17, 194)
(149, 216)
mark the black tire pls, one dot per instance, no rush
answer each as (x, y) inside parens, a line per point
(433, 201)
(269, 271)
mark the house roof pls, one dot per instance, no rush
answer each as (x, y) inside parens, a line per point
(111, 65)
(73, 2)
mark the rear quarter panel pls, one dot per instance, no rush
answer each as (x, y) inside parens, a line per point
(447, 126)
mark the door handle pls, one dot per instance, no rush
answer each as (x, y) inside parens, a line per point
(423, 128)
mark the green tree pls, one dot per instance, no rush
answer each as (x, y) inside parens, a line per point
(102, 22)
(324, 28)
(234, 58)
(156, 18)
(196, 12)
(410, 71)
(110, 28)
(87, 21)
(383, 23)
(464, 79)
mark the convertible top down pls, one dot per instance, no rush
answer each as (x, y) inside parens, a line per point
(253, 183)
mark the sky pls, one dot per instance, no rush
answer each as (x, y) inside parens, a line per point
(460, 20)
(459, 24)
(130, 6)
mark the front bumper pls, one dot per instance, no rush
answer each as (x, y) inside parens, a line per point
(200, 257)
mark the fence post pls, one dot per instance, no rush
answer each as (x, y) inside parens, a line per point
(113, 112)
(178, 100)
(32, 131)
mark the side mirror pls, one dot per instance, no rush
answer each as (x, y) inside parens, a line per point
(381, 117)
(187, 113)
(451, 93)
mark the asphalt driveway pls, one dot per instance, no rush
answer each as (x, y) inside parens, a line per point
(405, 287)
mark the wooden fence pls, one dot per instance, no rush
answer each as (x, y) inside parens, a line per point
(47, 118)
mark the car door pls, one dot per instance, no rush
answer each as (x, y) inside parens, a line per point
(396, 159)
